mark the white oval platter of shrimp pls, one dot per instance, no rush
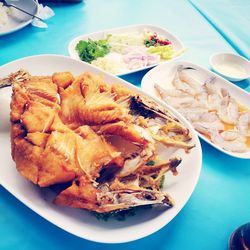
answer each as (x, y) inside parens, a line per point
(78, 221)
(218, 110)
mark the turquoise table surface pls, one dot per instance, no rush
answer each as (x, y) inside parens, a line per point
(230, 18)
(220, 202)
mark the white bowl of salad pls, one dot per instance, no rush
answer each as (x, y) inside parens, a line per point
(125, 50)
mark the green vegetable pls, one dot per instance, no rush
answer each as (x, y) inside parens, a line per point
(162, 181)
(148, 43)
(117, 215)
(120, 215)
(165, 52)
(90, 50)
(150, 163)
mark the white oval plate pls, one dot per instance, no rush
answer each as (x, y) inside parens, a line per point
(176, 43)
(76, 221)
(164, 73)
(20, 20)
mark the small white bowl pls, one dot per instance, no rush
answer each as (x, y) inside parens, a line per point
(230, 66)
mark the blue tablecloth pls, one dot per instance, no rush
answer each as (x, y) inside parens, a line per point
(220, 202)
(231, 19)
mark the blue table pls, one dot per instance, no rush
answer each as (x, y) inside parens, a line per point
(219, 204)
(231, 19)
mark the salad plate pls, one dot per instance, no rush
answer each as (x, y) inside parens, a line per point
(80, 222)
(128, 48)
(163, 80)
(12, 20)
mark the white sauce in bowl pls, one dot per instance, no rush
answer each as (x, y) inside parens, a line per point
(231, 69)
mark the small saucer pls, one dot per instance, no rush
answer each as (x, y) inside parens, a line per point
(230, 66)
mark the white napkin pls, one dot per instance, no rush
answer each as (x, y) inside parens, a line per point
(44, 12)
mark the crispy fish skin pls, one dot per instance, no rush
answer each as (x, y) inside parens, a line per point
(18, 102)
(87, 102)
(55, 165)
(81, 194)
(62, 79)
(71, 100)
(33, 90)
(26, 157)
(67, 130)
(37, 117)
(37, 138)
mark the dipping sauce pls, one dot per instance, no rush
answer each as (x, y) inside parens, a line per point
(231, 69)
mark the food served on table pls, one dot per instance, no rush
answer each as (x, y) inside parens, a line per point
(123, 52)
(4, 12)
(102, 141)
(212, 110)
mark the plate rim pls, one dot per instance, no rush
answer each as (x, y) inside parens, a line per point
(142, 234)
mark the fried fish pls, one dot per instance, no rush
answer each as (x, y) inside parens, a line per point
(100, 138)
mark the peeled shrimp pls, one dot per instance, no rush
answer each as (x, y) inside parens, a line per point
(185, 83)
(174, 97)
(244, 124)
(228, 111)
(165, 93)
(208, 128)
(230, 135)
(209, 117)
(192, 114)
(211, 88)
(214, 97)
(184, 102)
(225, 141)
(208, 123)
(202, 98)
(191, 82)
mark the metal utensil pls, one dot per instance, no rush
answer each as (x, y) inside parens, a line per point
(20, 9)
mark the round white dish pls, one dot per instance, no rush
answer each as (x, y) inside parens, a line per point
(176, 43)
(164, 73)
(76, 221)
(230, 66)
(19, 19)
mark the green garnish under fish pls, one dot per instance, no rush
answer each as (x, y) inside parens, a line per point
(150, 163)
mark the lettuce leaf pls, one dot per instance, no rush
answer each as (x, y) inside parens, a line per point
(91, 50)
